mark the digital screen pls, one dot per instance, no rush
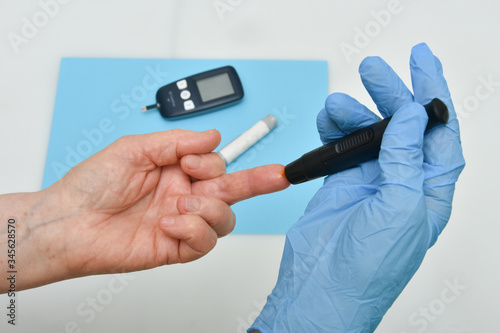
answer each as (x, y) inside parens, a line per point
(215, 87)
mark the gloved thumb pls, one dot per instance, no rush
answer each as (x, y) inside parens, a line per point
(401, 154)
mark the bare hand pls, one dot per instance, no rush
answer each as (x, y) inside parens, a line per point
(154, 199)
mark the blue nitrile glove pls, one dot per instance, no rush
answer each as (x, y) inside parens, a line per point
(366, 231)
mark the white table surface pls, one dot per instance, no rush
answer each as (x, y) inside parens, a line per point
(225, 290)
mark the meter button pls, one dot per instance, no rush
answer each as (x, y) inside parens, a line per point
(182, 84)
(188, 105)
(185, 94)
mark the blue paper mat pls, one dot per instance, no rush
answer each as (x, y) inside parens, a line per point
(99, 100)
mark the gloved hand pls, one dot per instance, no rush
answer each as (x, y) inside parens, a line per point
(366, 231)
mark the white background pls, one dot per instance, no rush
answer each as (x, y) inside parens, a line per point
(224, 291)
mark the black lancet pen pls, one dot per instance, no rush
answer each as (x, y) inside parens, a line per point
(353, 149)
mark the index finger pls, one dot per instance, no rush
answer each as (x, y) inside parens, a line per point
(245, 184)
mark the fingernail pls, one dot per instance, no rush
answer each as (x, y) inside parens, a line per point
(210, 131)
(167, 221)
(192, 204)
(193, 162)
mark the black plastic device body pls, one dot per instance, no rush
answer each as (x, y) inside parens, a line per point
(353, 149)
(202, 92)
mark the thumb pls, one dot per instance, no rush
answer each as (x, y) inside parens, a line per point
(401, 154)
(399, 204)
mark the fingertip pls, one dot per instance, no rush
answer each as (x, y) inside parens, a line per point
(336, 99)
(427, 77)
(196, 238)
(347, 113)
(191, 162)
(214, 133)
(203, 166)
(283, 174)
(385, 87)
(338, 102)
(423, 58)
(165, 223)
(211, 138)
(326, 127)
(197, 142)
(370, 63)
(280, 177)
(421, 49)
(188, 204)
(268, 178)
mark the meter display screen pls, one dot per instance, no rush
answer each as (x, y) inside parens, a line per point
(215, 87)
